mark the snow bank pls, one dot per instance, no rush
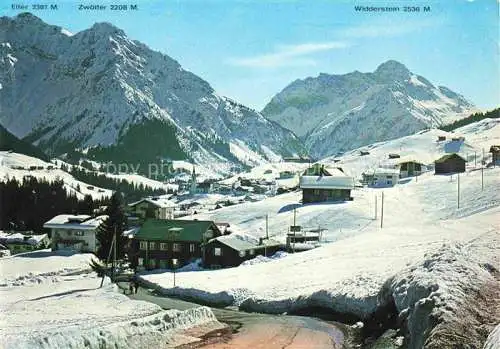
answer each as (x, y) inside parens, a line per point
(41, 266)
(53, 301)
(493, 340)
(444, 298)
(263, 259)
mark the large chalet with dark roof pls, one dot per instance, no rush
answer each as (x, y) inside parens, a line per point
(159, 241)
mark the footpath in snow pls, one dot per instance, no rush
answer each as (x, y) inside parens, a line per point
(54, 301)
(432, 262)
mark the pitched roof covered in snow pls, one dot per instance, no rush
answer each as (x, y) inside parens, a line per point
(156, 201)
(241, 243)
(326, 182)
(383, 171)
(448, 157)
(80, 222)
(16, 238)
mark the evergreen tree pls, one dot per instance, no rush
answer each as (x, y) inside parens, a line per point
(87, 205)
(116, 223)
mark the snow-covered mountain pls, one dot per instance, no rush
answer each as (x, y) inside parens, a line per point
(100, 88)
(335, 113)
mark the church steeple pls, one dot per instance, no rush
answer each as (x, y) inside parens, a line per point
(192, 189)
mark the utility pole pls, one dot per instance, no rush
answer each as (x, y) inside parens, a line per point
(375, 207)
(458, 190)
(114, 251)
(294, 216)
(482, 172)
(382, 212)
(475, 162)
(267, 236)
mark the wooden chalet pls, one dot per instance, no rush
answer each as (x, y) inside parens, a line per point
(495, 154)
(410, 168)
(159, 241)
(449, 163)
(319, 184)
(153, 207)
(231, 250)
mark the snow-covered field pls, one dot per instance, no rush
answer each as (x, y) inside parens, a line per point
(423, 147)
(11, 164)
(367, 265)
(53, 301)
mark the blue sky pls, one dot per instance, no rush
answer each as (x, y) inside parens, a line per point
(251, 49)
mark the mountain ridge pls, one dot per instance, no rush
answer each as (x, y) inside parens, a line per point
(335, 113)
(86, 90)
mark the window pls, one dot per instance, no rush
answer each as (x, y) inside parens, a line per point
(217, 251)
(163, 264)
(140, 262)
(163, 246)
(69, 232)
(252, 252)
(242, 253)
(79, 233)
(389, 177)
(191, 248)
(152, 245)
(143, 245)
(389, 182)
(176, 247)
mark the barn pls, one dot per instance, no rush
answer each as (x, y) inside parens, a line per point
(231, 250)
(449, 163)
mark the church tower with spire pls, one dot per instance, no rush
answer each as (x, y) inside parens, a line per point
(192, 189)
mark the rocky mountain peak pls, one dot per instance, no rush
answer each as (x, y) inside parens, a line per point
(392, 70)
(106, 28)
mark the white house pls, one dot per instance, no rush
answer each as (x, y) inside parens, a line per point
(383, 177)
(74, 232)
(160, 208)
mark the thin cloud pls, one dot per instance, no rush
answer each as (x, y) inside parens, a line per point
(288, 55)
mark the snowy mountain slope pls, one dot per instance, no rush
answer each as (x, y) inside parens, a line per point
(336, 113)
(88, 89)
(422, 147)
(111, 172)
(13, 165)
(482, 134)
(48, 306)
